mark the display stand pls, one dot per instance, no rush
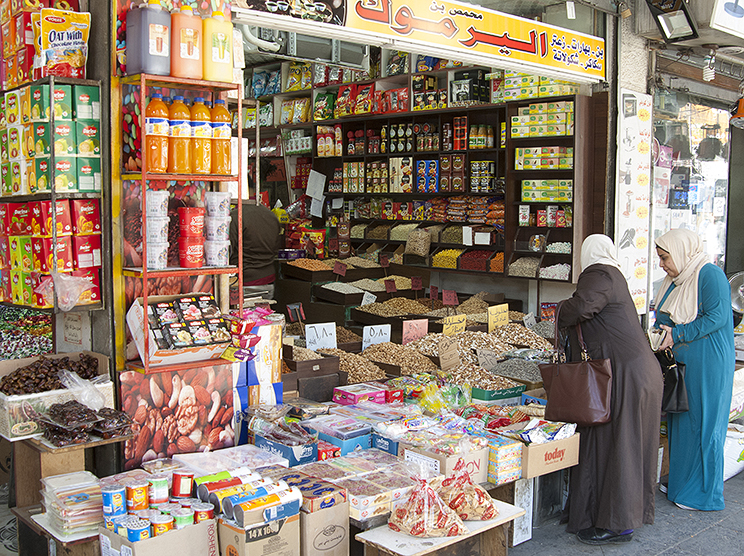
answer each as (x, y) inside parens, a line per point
(34, 525)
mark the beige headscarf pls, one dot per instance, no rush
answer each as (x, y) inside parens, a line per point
(598, 249)
(686, 250)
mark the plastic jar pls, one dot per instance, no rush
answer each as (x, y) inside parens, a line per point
(157, 229)
(191, 252)
(217, 253)
(218, 228)
(217, 203)
(192, 221)
(157, 203)
(157, 256)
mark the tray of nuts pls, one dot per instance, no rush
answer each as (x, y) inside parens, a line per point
(309, 270)
(323, 365)
(339, 292)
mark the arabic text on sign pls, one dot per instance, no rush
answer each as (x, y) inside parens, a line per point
(417, 284)
(529, 320)
(448, 355)
(449, 297)
(339, 268)
(454, 324)
(390, 286)
(319, 336)
(498, 315)
(414, 330)
(487, 359)
(375, 334)
(433, 292)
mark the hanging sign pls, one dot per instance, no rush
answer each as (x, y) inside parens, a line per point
(339, 268)
(368, 298)
(449, 297)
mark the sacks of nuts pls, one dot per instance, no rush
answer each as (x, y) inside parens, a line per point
(426, 515)
(469, 500)
(418, 243)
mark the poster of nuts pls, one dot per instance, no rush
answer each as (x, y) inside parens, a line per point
(177, 412)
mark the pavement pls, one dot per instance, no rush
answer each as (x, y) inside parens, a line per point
(675, 532)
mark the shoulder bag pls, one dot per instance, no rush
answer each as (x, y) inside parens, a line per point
(674, 399)
(578, 392)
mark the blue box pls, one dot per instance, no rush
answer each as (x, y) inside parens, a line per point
(360, 442)
(296, 455)
(537, 396)
(384, 444)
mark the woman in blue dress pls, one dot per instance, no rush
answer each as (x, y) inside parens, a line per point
(695, 311)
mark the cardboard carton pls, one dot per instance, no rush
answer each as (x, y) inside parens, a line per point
(476, 462)
(541, 459)
(280, 537)
(325, 532)
(199, 539)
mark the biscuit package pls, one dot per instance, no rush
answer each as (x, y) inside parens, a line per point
(425, 514)
(469, 500)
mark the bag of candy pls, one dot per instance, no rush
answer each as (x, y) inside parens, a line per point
(469, 500)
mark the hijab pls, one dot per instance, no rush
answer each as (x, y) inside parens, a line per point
(686, 250)
(598, 249)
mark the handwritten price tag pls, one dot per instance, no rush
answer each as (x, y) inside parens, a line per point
(368, 298)
(390, 286)
(414, 330)
(448, 355)
(319, 336)
(449, 297)
(454, 325)
(487, 359)
(375, 334)
(498, 315)
(339, 268)
(529, 320)
(433, 292)
(417, 284)
(384, 261)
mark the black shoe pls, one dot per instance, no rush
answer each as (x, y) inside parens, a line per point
(664, 487)
(595, 536)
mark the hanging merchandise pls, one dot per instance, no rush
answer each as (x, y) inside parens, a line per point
(186, 44)
(218, 32)
(156, 138)
(148, 40)
(179, 142)
(201, 137)
(221, 135)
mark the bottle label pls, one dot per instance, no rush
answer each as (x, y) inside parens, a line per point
(180, 128)
(221, 130)
(202, 130)
(159, 40)
(190, 44)
(157, 126)
(221, 48)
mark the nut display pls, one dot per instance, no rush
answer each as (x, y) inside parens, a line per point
(475, 260)
(517, 334)
(401, 231)
(466, 342)
(478, 377)
(309, 264)
(560, 271)
(359, 368)
(434, 231)
(342, 287)
(524, 266)
(304, 354)
(330, 263)
(409, 360)
(25, 332)
(357, 231)
(447, 258)
(406, 306)
(295, 329)
(559, 247)
(544, 328)
(41, 375)
(359, 262)
(518, 369)
(401, 282)
(381, 310)
(345, 336)
(497, 263)
(452, 234)
(474, 304)
(418, 243)
(516, 315)
(379, 232)
(369, 285)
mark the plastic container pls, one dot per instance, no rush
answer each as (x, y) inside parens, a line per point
(191, 252)
(217, 203)
(218, 39)
(157, 203)
(183, 517)
(201, 137)
(179, 140)
(217, 253)
(114, 500)
(217, 228)
(148, 39)
(186, 44)
(191, 220)
(157, 229)
(156, 135)
(138, 530)
(157, 256)
(221, 136)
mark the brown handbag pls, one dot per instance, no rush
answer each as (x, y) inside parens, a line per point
(578, 392)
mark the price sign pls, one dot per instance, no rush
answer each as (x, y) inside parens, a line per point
(529, 320)
(319, 336)
(454, 325)
(449, 297)
(487, 359)
(498, 315)
(384, 261)
(433, 292)
(295, 312)
(368, 298)
(417, 284)
(339, 268)
(375, 334)
(414, 329)
(448, 355)
(390, 286)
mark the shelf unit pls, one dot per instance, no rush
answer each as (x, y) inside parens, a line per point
(145, 83)
(53, 195)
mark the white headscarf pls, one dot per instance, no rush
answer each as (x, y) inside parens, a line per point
(686, 249)
(598, 249)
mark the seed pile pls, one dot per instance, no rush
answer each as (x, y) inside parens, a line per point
(409, 360)
(466, 342)
(381, 310)
(359, 368)
(357, 231)
(342, 287)
(516, 315)
(401, 231)
(368, 284)
(525, 266)
(309, 264)
(379, 232)
(407, 306)
(344, 335)
(517, 334)
(401, 282)
(544, 328)
(359, 262)
(304, 354)
(478, 377)
(518, 369)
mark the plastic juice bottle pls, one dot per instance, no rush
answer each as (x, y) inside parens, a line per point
(221, 135)
(156, 138)
(179, 141)
(218, 64)
(201, 137)
(186, 44)
(148, 39)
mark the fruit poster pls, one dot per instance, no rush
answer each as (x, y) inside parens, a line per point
(633, 193)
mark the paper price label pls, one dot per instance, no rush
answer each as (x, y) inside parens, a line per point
(339, 268)
(498, 315)
(368, 298)
(390, 286)
(448, 355)
(384, 261)
(449, 297)
(414, 330)
(487, 359)
(425, 461)
(417, 284)
(319, 336)
(375, 334)
(433, 292)
(454, 324)
(529, 320)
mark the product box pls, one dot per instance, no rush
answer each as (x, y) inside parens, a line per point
(4, 151)
(198, 539)
(39, 95)
(21, 253)
(24, 63)
(89, 173)
(28, 149)
(86, 102)
(16, 219)
(12, 106)
(42, 139)
(357, 393)
(476, 462)
(325, 532)
(535, 396)
(280, 537)
(41, 218)
(39, 300)
(9, 67)
(15, 422)
(86, 251)
(541, 459)
(7, 182)
(65, 173)
(62, 102)
(385, 444)
(39, 175)
(19, 176)
(15, 142)
(65, 138)
(349, 445)
(5, 291)
(296, 455)
(88, 137)
(86, 216)
(4, 252)
(326, 450)
(16, 286)
(43, 254)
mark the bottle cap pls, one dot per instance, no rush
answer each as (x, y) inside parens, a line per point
(218, 13)
(177, 98)
(156, 95)
(198, 99)
(219, 101)
(187, 9)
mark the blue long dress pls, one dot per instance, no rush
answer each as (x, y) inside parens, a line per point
(696, 437)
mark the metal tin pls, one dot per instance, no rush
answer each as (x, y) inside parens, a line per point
(161, 524)
(183, 483)
(183, 517)
(137, 496)
(120, 524)
(138, 530)
(203, 511)
(114, 499)
(158, 490)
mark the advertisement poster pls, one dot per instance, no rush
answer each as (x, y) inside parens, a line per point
(635, 128)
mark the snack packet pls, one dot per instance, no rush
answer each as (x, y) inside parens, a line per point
(64, 42)
(469, 500)
(425, 514)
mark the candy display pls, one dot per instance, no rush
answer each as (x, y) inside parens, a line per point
(425, 514)
(470, 501)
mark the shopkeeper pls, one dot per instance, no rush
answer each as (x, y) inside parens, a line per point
(261, 243)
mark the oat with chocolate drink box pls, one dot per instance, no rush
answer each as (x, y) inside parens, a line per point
(199, 332)
(165, 313)
(208, 307)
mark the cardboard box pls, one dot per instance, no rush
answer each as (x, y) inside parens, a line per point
(65, 138)
(86, 102)
(356, 393)
(92, 295)
(4, 252)
(15, 142)
(296, 455)
(88, 137)
(7, 182)
(65, 173)
(541, 459)
(535, 396)
(41, 218)
(347, 446)
(89, 173)
(86, 251)
(199, 539)
(12, 106)
(14, 422)
(275, 538)
(39, 300)
(39, 174)
(19, 176)
(86, 216)
(325, 532)
(39, 102)
(385, 444)
(42, 139)
(62, 102)
(476, 462)
(43, 254)
(21, 252)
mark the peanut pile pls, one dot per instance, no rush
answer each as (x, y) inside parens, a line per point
(409, 360)
(359, 368)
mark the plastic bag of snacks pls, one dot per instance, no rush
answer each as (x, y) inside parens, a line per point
(469, 500)
(63, 39)
(418, 243)
(313, 241)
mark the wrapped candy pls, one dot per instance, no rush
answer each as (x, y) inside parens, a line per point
(469, 500)
(425, 514)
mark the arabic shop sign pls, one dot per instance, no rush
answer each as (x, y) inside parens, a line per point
(477, 30)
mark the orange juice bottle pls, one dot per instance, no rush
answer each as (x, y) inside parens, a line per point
(201, 137)
(156, 135)
(186, 44)
(221, 135)
(179, 141)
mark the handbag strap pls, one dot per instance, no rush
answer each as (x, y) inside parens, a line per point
(558, 350)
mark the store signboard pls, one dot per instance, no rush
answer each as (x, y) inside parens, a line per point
(728, 17)
(632, 201)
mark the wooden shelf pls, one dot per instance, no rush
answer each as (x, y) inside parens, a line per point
(179, 271)
(152, 176)
(44, 195)
(177, 82)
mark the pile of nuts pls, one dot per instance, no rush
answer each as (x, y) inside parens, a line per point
(447, 258)
(359, 262)
(379, 232)
(401, 231)
(406, 306)
(357, 231)
(497, 263)
(516, 315)
(295, 329)
(345, 336)
(41, 375)
(330, 263)
(453, 234)
(358, 368)
(342, 287)
(478, 377)
(304, 354)
(409, 360)
(309, 264)
(559, 247)
(518, 369)
(473, 305)
(524, 266)
(544, 328)
(369, 285)
(381, 310)
(466, 342)
(517, 334)
(434, 231)
(401, 282)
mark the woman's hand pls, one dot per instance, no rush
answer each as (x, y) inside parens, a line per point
(668, 341)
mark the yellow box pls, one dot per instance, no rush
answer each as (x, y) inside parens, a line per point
(520, 131)
(549, 163)
(556, 106)
(565, 163)
(537, 130)
(556, 117)
(555, 129)
(511, 94)
(528, 92)
(538, 107)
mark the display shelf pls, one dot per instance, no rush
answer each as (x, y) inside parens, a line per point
(179, 83)
(152, 176)
(179, 271)
(44, 195)
(44, 445)
(414, 196)
(76, 309)
(143, 368)
(58, 80)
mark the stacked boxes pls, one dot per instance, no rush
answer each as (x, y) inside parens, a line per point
(469, 87)
(504, 460)
(427, 176)
(18, 41)
(482, 176)
(544, 119)
(401, 175)
(353, 177)
(376, 177)
(543, 158)
(547, 191)
(521, 86)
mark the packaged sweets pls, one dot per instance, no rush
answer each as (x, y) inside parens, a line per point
(188, 308)
(199, 332)
(301, 110)
(345, 101)
(469, 500)
(363, 103)
(208, 307)
(323, 109)
(425, 514)
(287, 112)
(218, 330)
(165, 313)
(63, 38)
(178, 335)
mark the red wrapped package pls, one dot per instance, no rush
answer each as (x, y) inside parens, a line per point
(426, 515)
(469, 500)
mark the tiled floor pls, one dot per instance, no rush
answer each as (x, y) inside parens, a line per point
(8, 540)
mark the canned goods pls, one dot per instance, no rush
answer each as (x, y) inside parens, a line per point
(114, 500)
(161, 524)
(158, 490)
(120, 524)
(168, 508)
(203, 511)
(183, 483)
(109, 523)
(137, 496)
(183, 517)
(186, 502)
(138, 530)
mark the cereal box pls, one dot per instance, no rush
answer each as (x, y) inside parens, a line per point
(41, 218)
(88, 137)
(86, 216)
(43, 254)
(89, 173)
(86, 102)
(86, 251)
(65, 142)
(65, 174)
